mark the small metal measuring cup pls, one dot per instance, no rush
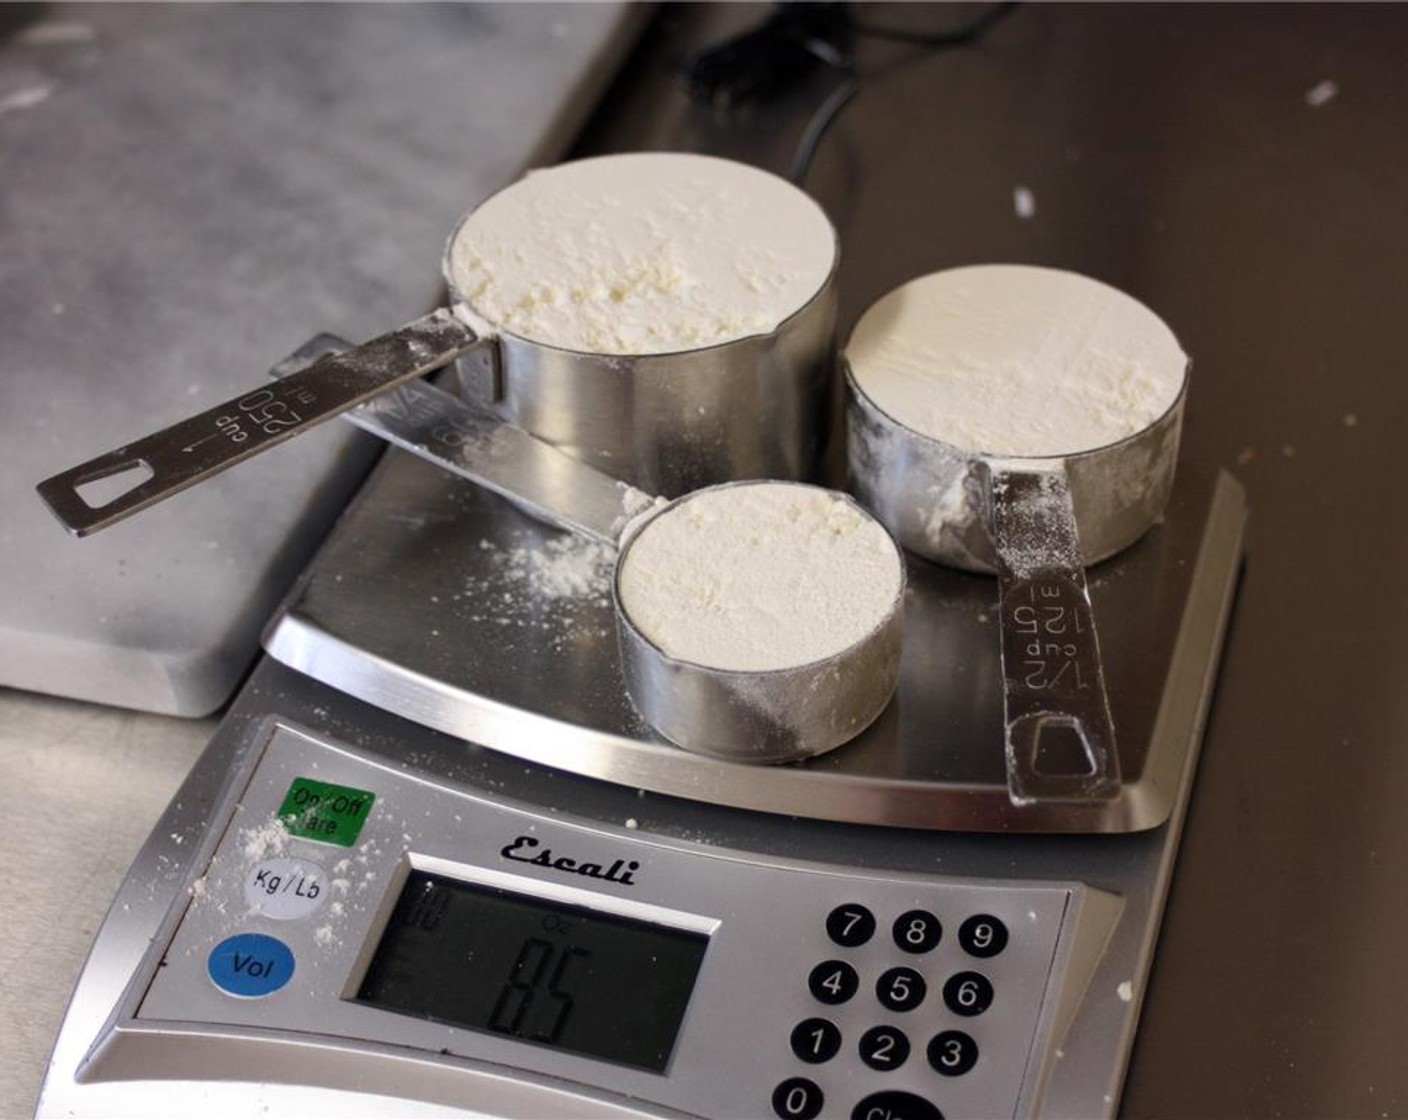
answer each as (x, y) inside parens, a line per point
(1036, 521)
(755, 406)
(751, 716)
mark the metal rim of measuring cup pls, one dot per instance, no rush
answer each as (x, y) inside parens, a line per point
(459, 301)
(760, 716)
(935, 497)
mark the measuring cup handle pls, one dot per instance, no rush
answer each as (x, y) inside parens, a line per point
(203, 445)
(1059, 737)
(543, 481)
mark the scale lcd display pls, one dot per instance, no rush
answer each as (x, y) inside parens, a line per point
(543, 972)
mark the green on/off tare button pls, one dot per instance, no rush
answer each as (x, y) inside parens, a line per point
(322, 811)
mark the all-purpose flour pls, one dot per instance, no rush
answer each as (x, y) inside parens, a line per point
(1016, 360)
(647, 253)
(760, 576)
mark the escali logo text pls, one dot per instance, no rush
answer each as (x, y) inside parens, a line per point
(521, 851)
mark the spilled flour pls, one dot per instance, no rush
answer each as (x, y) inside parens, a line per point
(565, 570)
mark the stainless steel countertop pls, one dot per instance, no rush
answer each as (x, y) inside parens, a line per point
(1179, 153)
(82, 785)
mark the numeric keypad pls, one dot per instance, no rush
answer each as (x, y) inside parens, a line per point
(922, 975)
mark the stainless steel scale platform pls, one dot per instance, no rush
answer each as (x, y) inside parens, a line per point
(432, 765)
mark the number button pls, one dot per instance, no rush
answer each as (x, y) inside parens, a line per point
(816, 1040)
(968, 993)
(952, 1053)
(917, 931)
(884, 1048)
(797, 1099)
(850, 925)
(982, 935)
(833, 982)
(901, 989)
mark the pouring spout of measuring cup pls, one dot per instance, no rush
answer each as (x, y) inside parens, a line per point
(545, 482)
(194, 449)
(1059, 737)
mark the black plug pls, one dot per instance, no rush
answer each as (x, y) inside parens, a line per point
(759, 65)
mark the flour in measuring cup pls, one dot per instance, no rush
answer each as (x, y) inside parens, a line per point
(760, 576)
(647, 253)
(1016, 360)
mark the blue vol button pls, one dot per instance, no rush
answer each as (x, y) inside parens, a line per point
(250, 965)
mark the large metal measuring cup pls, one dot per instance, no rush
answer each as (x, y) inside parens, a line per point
(1035, 519)
(748, 400)
(741, 715)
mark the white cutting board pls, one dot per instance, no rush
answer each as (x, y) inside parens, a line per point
(187, 194)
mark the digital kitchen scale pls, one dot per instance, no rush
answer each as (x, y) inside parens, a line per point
(433, 863)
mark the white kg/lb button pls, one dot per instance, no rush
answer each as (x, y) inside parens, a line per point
(285, 888)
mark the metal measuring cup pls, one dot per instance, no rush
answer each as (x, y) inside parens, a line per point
(752, 716)
(668, 421)
(758, 715)
(1036, 521)
(750, 406)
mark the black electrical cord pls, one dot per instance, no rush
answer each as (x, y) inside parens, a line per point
(964, 35)
(759, 64)
(822, 120)
(830, 109)
(774, 56)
